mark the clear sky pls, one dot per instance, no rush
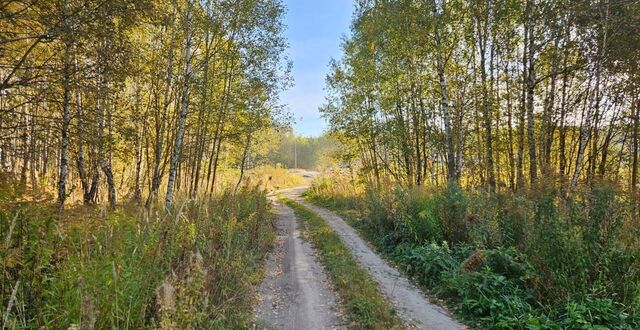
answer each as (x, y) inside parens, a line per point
(315, 29)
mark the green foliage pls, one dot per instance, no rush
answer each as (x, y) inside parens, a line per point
(193, 267)
(594, 313)
(426, 264)
(312, 153)
(492, 300)
(451, 209)
(544, 261)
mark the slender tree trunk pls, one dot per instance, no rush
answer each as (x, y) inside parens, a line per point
(595, 136)
(175, 159)
(582, 141)
(66, 109)
(103, 161)
(32, 151)
(635, 146)
(25, 151)
(531, 81)
(602, 168)
(203, 107)
(548, 125)
(486, 111)
(216, 161)
(161, 127)
(512, 165)
(563, 105)
(594, 102)
(137, 185)
(219, 128)
(521, 115)
(243, 164)
(80, 161)
(444, 103)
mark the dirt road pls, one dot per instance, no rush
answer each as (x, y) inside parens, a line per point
(410, 302)
(295, 293)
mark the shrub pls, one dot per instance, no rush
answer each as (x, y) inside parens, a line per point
(594, 313)
(452, 214)
(425, 263)
(418, 214)
(494, 300)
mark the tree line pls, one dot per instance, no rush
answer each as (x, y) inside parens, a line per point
(295, 151)
(103, 98)
(491, 93)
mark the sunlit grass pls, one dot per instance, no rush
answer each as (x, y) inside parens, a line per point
(194, 266)
(365, 305)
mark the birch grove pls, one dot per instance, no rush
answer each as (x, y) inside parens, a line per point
(109, 101)
(496, 94)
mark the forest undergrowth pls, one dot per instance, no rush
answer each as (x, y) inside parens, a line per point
(539, 260)
(192, 266)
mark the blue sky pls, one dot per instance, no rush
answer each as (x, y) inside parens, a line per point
(314, 29)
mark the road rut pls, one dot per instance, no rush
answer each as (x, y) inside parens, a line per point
(412, 305)
(295, 293)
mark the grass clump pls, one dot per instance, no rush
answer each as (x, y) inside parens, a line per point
(365, 305)
(541, 260)
(132, 268)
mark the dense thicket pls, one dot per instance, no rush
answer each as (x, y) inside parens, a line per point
(492, 93)
(106, 98)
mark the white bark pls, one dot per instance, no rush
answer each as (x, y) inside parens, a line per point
(175, 159)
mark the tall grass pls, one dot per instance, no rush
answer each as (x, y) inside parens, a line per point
(132, 268)
(538, 260)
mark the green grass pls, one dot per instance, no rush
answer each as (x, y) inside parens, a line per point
(365, 305)
(535, 261)
(194, 267)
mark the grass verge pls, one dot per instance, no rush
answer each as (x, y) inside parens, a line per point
(365, 305)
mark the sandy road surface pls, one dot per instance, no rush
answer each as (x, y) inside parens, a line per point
(295, 293)
(411, 303)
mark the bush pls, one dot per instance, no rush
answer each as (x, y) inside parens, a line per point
(425, 263)
(452, 214)
(494, 300)
(594, 313)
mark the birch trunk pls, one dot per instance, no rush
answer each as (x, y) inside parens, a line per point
(531, 78)
(444, 101)
(162, 125)
(66, 111)
(175, 159)
(635, 147)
